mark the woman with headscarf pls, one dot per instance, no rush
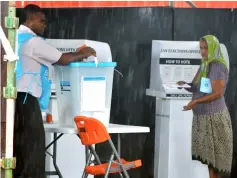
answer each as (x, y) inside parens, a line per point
(212, 139)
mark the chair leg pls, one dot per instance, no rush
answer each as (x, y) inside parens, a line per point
(95, 154)
(121, 175)
(109, 165)
(85, 175)
(97, 159)
(118, 158)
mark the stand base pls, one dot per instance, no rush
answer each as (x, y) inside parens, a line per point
(173, 142)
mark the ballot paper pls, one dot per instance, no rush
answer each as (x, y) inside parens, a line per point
(96, 61)
(181, 86)
(175, 86)
(92, 59)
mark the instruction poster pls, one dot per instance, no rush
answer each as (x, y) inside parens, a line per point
(180, 60)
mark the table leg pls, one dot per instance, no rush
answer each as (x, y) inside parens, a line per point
(55, 139)
(119, 144)
(55, 156)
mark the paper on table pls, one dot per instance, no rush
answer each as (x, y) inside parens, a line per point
(181, 86)
(175, 86)
(93, 93)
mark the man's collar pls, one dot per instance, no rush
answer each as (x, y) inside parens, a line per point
(25, 29)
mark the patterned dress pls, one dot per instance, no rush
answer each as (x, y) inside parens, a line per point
(212, 138)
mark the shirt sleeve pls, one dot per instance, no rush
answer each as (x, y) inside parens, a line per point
(42, 51)
(218, 71)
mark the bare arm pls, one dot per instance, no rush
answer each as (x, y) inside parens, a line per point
(194, 79)
(66, 58)
(42, 51)
(217, 92)
(191, 89)
(218, 75)
(77, 56)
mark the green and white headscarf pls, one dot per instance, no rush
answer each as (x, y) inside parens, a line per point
(214, 55)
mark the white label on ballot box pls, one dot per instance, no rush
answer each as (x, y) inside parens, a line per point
(93, 93)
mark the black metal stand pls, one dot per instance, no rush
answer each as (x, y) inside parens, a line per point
(54, 156)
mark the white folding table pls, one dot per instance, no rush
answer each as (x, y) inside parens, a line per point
(59, 130)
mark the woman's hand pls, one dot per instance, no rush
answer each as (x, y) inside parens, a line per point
(180, 83)
(190, 105)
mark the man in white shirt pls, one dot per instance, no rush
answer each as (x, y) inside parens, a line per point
(34, 52)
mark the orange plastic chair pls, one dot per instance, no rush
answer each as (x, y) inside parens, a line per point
(91, 132)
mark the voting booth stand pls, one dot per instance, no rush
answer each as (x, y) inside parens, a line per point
(174, 61)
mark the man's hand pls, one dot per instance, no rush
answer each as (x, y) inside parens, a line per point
(78, 56)
(78, 49)
(82, 48)
(87, 51)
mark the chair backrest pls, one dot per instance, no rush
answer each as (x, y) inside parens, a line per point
(91, 131)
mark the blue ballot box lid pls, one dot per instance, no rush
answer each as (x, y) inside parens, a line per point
(92, 64)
